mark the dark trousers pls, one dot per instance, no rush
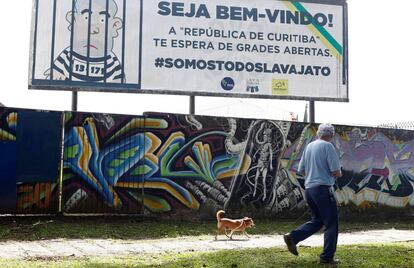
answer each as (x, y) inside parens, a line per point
(324, 212)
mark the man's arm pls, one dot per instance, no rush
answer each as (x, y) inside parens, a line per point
(334, 162)
(301, 166)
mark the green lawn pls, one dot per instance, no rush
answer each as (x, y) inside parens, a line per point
(133, 228)
(370, 256)
(29, 228)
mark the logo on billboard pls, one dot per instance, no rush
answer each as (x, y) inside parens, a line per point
(227, 83)
(280, 87)
(252, 85)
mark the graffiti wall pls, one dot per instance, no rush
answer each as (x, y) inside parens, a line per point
(104, 157)
(202, 159)
(183, 164)
(166, 163)
(188, 165)
(28, 178)
(378, 164)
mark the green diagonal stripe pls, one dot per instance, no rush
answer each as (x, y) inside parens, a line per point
(322, 30)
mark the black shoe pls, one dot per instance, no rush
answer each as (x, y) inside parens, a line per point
(290, 244)
(332, 262)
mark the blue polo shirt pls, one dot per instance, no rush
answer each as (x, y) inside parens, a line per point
(319, 160)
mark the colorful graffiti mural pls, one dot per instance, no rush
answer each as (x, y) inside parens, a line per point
(183, 164)
(37, 198)
(178, 162)
(155, 162)
(377, 165)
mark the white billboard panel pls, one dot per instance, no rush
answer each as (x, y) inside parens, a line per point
(235, 48)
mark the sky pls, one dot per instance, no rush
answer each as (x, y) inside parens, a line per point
(381, 72)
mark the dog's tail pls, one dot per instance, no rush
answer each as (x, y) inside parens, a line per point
(219, 214)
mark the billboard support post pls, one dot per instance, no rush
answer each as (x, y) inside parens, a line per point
(74, 101)
(192, 104)
(312, 111)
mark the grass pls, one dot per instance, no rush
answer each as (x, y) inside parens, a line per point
(370, 256)
(31, 229)
(38, 228)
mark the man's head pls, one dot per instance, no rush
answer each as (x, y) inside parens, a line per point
(326, 132)
(98, 15)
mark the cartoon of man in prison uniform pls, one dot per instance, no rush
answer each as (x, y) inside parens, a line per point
(92, 21)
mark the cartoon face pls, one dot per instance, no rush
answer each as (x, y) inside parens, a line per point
(95, 15)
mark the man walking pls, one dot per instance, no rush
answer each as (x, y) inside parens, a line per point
(320, 165)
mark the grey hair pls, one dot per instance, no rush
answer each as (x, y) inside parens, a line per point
(325, 130)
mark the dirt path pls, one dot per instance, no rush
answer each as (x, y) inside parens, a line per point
(107, 247)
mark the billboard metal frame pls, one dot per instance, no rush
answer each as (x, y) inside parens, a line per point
(45, 84)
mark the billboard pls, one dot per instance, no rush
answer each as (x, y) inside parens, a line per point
(242, 48)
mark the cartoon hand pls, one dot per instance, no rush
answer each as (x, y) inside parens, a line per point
(47, 74)
(56, 75)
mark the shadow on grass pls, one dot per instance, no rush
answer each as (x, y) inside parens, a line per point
(36, 228)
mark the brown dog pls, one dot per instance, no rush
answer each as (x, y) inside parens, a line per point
(238, 225)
